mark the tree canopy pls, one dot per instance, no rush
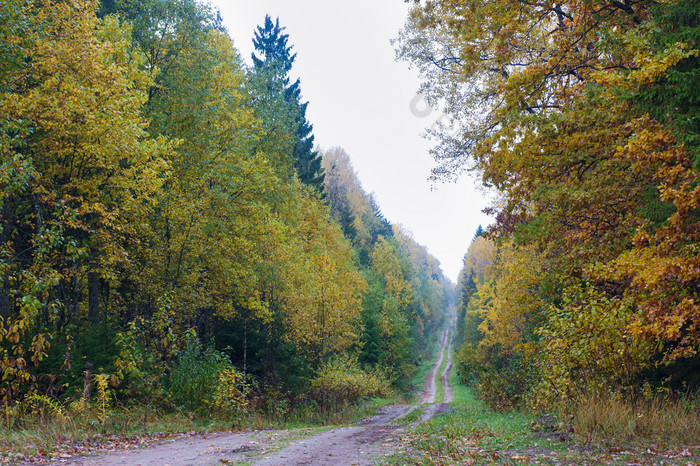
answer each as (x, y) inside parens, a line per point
(162, 219)
(579, 115)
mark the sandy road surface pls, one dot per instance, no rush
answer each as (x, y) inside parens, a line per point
(356, 445)
(196, 450)
(359, 444)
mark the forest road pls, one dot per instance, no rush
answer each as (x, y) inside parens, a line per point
(359, 444)
(430, 389)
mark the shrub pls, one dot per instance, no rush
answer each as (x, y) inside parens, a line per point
(343, 381)
(502, 381)
(469, 364)
(587, 349)
(195, 377)
(232, 392)
(505, 387)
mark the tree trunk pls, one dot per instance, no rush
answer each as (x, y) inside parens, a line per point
(93, 297)
(245, 345)
(86, 383)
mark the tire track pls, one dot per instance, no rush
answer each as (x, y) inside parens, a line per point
(445, 376)
(429, 388)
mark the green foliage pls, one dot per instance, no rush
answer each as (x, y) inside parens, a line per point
(675, 97)
(149, 202)
(584, 120)
(198, 377)
(271, 69)
(501, 381)
(587, 349)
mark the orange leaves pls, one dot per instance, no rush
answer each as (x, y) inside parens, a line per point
(552, 118)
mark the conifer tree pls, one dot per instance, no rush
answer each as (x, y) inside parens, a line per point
(273, 60)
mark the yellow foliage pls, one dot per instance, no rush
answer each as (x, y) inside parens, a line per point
(323, 296)
(82, 172)
(399, 293)
(232, 392)
(510, 300)
(342, 380)
(586, 348)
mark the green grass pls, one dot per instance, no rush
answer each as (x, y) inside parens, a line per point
(439, 389)
(413, 416)
(472, 433)
(460, 393)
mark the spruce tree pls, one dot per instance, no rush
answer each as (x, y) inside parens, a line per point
(273, 60)
(675, 98)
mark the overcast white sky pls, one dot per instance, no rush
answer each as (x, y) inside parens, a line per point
(359, 99)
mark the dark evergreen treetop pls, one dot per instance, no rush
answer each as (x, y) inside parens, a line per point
(273, 60)
(675, 98)
(275, 55)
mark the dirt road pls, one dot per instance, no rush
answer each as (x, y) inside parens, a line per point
(429, 389)
(360, 444)
(445, 376)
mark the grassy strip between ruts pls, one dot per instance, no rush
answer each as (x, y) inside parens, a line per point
(471, 433)
(418, 379)
(439, 388)
(412, 417)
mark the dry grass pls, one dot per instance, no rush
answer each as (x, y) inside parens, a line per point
(647, 420)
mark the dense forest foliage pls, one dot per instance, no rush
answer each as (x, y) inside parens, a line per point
(167, 225)
(582, 117)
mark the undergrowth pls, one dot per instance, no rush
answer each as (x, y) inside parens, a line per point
(651, 420)
(473, 433)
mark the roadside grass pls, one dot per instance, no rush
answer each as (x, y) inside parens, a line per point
(472, 433)
(655, 420)
(82, 433)
(341, 415)
(468, 433)
(460, 394)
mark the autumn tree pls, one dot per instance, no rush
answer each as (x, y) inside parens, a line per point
(79, 175)
(558, 107)
(155, 220)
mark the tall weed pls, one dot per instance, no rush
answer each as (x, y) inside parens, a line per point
(656, 419)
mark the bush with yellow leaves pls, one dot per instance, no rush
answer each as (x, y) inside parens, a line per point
(342, 381)
(232, 392)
